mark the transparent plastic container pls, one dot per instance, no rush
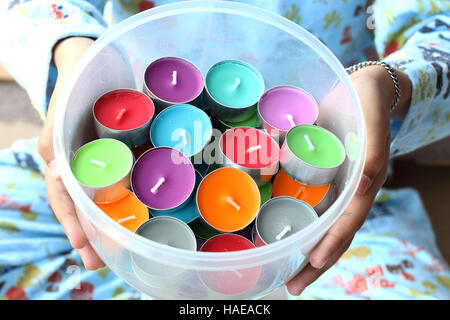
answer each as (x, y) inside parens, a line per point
(206, 32)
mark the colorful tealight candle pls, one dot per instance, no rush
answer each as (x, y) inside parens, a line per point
(232, 90)
(172, 80)
(163, 179)
(125, 115)
(167, 231)
(280, 218)
(250, 150)
(228, 199)
(318, 197)
(311, 155)
(234, 281)
(183, 127)
(284, 107)
(252, 122)
(103, 168)
(187, 213)
(129, 212)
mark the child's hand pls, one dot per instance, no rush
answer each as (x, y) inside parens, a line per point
(376, 93)
(66, 53)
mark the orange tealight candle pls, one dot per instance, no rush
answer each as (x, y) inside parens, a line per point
(228, 199)
(129, 212)
(319, 197)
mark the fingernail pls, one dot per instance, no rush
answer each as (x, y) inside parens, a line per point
(364, 185)
(320, 265)
(53, 166)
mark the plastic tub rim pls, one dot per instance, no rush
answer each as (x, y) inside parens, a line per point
(142, 246)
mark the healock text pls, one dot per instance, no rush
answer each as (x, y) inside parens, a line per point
(226, 309)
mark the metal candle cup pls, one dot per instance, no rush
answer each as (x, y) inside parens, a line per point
(282, 217)
(249, 150)
(232, 90)
(318, 197)
(283, 107)
(311, 155)
(125, 115)
(168, 231)
(228, 200)
(234, 281)
(163, 179)
(173, 80)
(183, 127)
(105, 177)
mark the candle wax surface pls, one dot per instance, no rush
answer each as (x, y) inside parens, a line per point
(139, 109)
(167, 128)
(280, 212)
(280, 101)
(158, 78)
(283, 185)
(236, 141)
(252, 122)
(212, 201)
(226, 243)
(221, 79)
(117, 157)
(169, 231)
(158, 163)
(126, 208)
(328, 150)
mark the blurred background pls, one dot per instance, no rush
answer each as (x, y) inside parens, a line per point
(427, 170)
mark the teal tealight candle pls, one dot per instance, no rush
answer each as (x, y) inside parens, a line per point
(233, 89)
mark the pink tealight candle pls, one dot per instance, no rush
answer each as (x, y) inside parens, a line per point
(163, 178)
(172, 80)
(284, 107)
(125, 115)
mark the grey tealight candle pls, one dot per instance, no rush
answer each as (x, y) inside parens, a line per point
(168, 231)
(281, 217)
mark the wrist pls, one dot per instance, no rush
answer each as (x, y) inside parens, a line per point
(387, 89)
(67, 52)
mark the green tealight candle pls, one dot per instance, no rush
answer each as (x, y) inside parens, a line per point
(316, 146)
(102, 163)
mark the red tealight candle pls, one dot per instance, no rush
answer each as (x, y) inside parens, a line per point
(125, 115)
(250, 150)
(234, 281)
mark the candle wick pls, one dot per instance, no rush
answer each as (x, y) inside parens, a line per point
(283, 232)
(310, 145)
(237, 273)
(122, 220)
(237, 81)
(251, 149)
(300, 191)
(121, 114)
(184, 137)
(99, 163)
(233, 203)
(174, 77)
(290, 118)
(157, 185)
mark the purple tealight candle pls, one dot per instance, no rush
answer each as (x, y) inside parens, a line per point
(284, 107)
(172, 80)
(163, 178)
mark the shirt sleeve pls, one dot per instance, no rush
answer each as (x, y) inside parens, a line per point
(414, 36)
(33, 28)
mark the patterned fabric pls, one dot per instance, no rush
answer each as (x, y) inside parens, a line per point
(394, 255)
